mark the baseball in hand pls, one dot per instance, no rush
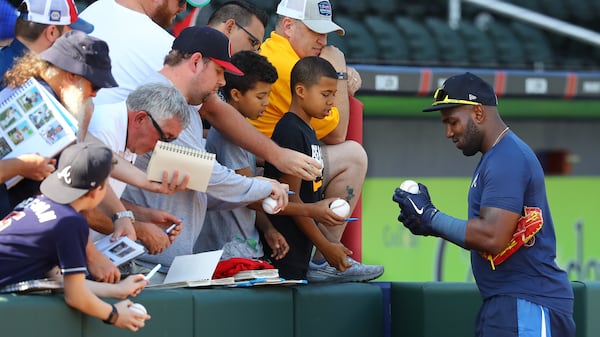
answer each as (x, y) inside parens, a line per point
(410, 186)
(269, 205)
(138, 308)
(340, 207)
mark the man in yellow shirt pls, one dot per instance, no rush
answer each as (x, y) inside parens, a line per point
(301, 30)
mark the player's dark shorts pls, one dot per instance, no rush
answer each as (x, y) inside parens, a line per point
(504, 316)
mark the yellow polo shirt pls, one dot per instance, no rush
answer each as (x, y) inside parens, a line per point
(280, 53)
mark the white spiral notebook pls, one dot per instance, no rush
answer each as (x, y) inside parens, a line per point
(170, 157)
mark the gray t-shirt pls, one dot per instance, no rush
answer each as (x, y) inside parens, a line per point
(226, 190)
(232, 230)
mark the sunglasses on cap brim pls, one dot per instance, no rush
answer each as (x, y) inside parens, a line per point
(441, 97)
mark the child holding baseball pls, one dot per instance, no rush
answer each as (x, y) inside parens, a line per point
(313, 85)
(47, 231)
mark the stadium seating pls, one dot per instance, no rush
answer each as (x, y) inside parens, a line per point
(390, 42)
(481, 50)
(452, 49)
(432, 47)
(555, 8)
(510, 51)
(384, 8)
(582, 12)
(355, 9)
(533, 5)
(359, 44)
(536, 48)
(422, 47)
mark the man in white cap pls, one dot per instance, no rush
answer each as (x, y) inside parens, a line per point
(40, 23)
(301, 30)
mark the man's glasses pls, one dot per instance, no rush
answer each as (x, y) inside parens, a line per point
(181, 3)
(254, 41)
(441, 97)
(161, 134)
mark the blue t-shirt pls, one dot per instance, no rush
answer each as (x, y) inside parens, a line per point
(510, 177)
(39, 235)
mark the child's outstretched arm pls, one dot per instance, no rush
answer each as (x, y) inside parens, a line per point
(80, 297)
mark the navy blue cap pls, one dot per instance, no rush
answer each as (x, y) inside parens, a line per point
(463, 89)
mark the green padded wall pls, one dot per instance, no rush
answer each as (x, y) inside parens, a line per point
(38, 315)
(587, 308)
(171, 311)
(433, 309)
(264, 312)
(345, 310)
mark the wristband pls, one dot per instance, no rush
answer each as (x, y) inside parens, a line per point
(112, 318)
(452, 229)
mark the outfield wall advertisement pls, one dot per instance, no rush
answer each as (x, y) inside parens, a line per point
(574, 202)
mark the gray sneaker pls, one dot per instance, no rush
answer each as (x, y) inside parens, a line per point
(358, 272)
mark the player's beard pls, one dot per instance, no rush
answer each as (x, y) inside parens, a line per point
(81, 108)
(472, 138)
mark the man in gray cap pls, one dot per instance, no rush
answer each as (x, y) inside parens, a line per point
(74, 69)
(39, 24)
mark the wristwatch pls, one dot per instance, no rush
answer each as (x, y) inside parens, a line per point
(342, 75)
(123, 214)
(114, 315)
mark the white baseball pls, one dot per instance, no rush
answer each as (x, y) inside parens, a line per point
(138, 308)
(269, 205)
(410, 186)
(340, 207)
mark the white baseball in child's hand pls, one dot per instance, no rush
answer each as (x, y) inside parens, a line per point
(410, 186)
(340, 207)
(138, 308)
(269, 205)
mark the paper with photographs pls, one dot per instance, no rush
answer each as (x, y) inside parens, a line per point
(33, 121)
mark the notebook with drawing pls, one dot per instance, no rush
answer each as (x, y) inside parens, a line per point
(33, 121)
(169, 157)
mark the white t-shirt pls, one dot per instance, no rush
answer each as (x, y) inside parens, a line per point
(109, 125)
(137, 46)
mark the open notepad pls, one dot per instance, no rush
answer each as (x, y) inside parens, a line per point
(195, 270)
(170, 157)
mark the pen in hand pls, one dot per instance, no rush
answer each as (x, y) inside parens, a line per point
(168, 230)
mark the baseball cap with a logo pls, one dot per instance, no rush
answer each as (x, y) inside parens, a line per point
(55, 12)
(81, 167)
(210, 43)
(315, 14)
(463, 89)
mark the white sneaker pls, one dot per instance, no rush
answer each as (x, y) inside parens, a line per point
(358, 272)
